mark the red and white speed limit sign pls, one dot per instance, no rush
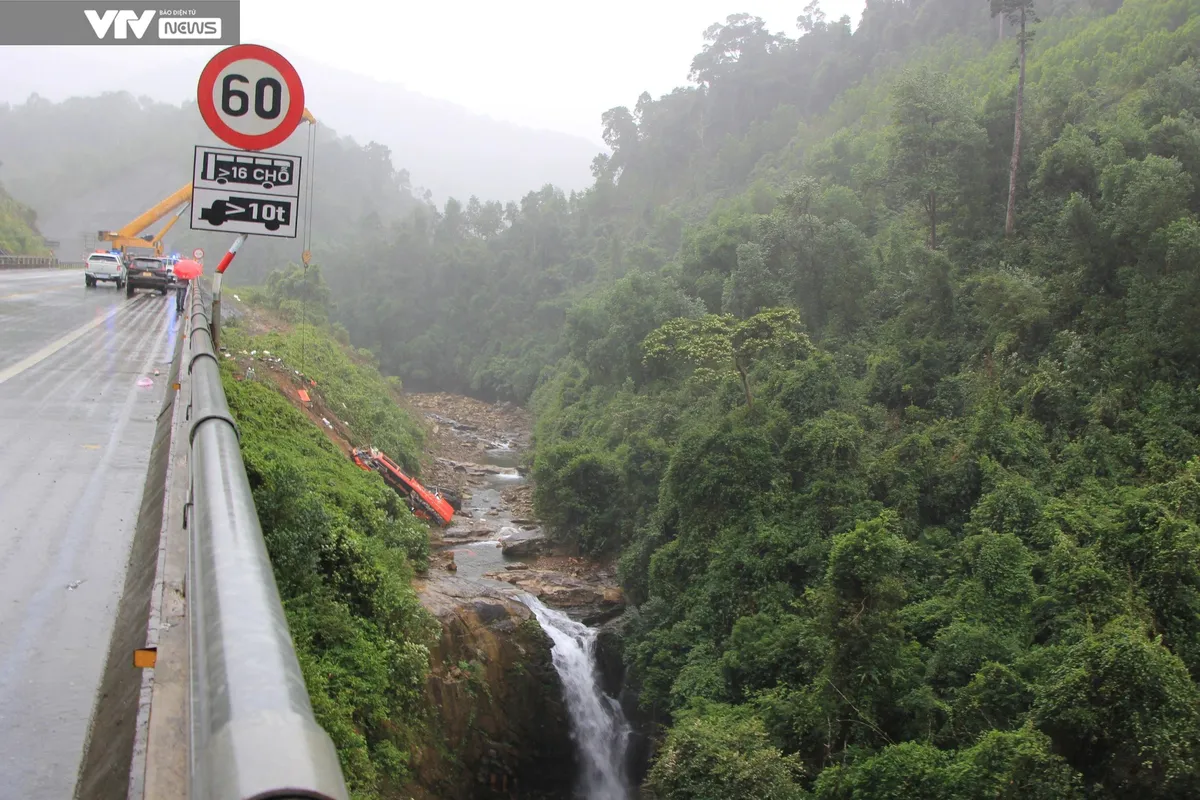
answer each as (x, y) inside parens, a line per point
(197, 254)
(250, 97)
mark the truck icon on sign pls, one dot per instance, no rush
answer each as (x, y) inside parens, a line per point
(271, 214)
(245, 170)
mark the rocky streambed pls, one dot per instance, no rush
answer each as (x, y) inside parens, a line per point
(506, 693)
(477, 451)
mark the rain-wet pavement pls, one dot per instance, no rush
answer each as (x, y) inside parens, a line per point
(75, 436)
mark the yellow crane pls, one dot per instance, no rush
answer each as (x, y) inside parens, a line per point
(132, 234)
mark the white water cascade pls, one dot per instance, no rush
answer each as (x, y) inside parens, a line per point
(598, 725)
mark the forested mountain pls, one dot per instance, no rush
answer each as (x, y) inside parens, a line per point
(448, 149)
(487, 285)
(909, 507)
(89, 164)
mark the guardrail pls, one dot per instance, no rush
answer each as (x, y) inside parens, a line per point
(253, 731)
(28, 262)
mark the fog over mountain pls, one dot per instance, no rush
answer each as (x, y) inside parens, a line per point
(446, 148)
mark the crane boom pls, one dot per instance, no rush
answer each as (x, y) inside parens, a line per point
(156, 242)
(128, 236)
(131, 235)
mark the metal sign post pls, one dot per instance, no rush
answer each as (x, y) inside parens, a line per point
(216, 303)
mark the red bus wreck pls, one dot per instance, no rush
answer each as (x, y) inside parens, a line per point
(428, 505)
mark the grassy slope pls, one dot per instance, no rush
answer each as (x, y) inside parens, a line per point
(344, 549)
(17, 233)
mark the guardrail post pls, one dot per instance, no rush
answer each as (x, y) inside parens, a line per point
(216, 303)
(253, 731)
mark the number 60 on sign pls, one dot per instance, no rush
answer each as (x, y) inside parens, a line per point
(251, 97)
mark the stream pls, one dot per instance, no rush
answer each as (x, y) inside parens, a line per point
(598, 725)
(599, 728)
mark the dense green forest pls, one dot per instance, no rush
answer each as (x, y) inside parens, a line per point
(908, 507)
(18, 228)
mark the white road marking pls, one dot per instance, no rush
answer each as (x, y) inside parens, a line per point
(52, 348)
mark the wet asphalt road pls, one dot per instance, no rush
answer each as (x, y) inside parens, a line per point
(75, 436)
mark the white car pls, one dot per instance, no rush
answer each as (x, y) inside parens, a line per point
(106, 267)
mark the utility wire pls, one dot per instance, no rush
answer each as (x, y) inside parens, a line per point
(306, 238)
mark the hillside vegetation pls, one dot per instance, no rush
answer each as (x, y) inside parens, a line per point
(908, 507)
(344, 547)
(18, 229)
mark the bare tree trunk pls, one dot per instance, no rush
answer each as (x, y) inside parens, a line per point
(1000, 28)
(745, 385)
(932, 220)
(1010, 222)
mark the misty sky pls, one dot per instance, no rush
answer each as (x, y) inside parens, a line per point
(545, 63)
(542, 63)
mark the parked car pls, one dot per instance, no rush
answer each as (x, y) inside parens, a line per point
(106, 267)
(144, 272)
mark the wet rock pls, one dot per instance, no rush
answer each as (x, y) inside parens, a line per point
(602, 616)
(610, 658)
(503, 714)
(523, 548)
(563, 591)
(516, 543)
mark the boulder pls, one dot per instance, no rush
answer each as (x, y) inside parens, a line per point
(497, 721)
(522, 548)
(518, 543)
(563, 591)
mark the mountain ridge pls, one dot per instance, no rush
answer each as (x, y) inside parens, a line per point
(446, 148)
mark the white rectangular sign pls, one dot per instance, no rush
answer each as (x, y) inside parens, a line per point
(244, 170)
(242, 191)
(235, 211)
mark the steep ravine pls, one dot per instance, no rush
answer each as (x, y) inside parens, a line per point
(513, 711)
(519, 702)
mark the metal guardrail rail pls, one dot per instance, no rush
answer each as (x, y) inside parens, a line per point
(29, 261)
(253, 734)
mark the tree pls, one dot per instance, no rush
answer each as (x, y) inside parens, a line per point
(935, 136)
(722, 751)
(713, 342)
(742, 37)
(1122, 710)
(813, 18)
(1017, 12)
(299, 293)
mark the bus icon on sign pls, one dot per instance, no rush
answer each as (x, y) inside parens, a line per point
(247, 170)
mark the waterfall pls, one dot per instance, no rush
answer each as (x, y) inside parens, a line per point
(598, 725)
